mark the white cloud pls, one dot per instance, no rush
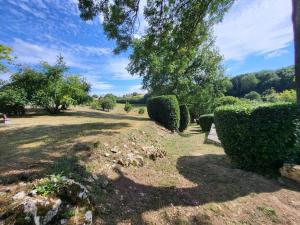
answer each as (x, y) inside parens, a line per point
(255, 27)
(33, 53)
(276, 53)
(117, 68)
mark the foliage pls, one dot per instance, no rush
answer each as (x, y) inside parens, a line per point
(4, 57)
(12, 101)
(227, 100)
(50, 88)
(141, 111)
(253, 95)
(49, 186)
(165, 110)
(186, 23)
(259, 137)
(285, 96)
(184, 118)
(176, 55)
(108, 102)
(128, 107)
(279, 80)
(95, 104)
(205, 122)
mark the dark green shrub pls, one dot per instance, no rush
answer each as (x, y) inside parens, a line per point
(165, 110)
(141, 111)
(259, 137)
(127, 107)
(205, 122)
(12, 101)
(184, 118)
(107, 103)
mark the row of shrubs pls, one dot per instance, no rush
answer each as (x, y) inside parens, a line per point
(167, 111)
(259, 137)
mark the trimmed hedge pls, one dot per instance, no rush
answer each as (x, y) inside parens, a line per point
(165, 110)
(184, 117)
(205, 122)
(259, 138)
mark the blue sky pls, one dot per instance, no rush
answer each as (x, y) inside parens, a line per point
(254, 35)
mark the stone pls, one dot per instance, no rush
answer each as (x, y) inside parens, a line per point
(73, 192)
(104, 183)
(33, 211)
(81, 147)
(114, 149)
(291, 171)
(19, 196)
(88, 217)
(106, 154)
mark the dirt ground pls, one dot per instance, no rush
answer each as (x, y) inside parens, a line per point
(193, 184)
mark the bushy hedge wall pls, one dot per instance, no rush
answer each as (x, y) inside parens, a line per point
(205, 122)
(164, 110)
(259, 138)
(184, 118)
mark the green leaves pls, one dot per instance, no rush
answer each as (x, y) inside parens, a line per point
(259, 137)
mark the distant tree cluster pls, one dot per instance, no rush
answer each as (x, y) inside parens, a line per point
(247, 84)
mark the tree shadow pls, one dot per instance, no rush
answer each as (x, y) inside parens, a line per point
(126, 200)
(82, 113)
(31, 149)
(214, 179)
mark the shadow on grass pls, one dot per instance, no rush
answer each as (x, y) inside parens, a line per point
(214, 181)
(81, 113)
(32, 148)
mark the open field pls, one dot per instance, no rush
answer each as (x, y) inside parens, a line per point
(193, 184)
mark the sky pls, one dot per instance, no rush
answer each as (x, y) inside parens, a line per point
(254, 35)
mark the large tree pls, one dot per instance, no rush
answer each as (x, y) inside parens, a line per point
(296, 23)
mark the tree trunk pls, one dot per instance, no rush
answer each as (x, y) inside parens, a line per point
(296, 25)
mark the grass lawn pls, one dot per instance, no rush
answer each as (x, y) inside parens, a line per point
(193, 184)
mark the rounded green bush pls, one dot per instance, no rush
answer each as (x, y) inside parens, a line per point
(141, 111)
(165, 110)
(205, 122)
(259, 138)
(184, 118)
(227, 100)
(128, 107)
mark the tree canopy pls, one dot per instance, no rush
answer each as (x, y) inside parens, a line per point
(5, 57)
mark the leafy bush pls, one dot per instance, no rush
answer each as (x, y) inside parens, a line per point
(227, 100)
(95, 104)
(165, 110)
(128, 107)
(253, 95)
(205, 122)
(184, 118)
(259, 137)
(49, 186)
(12, 101)
(107, 103)
(141, 111)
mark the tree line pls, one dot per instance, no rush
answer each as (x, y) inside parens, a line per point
(260, 82)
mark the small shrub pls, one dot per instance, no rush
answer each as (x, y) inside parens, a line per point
(184, 118)
(253, 95)
(48, 186)
(205, 122)
(95, 104)
(227, 100)
(107, 104)
(261, 137)
(165, 110)
(128, 107)
(141, 111)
